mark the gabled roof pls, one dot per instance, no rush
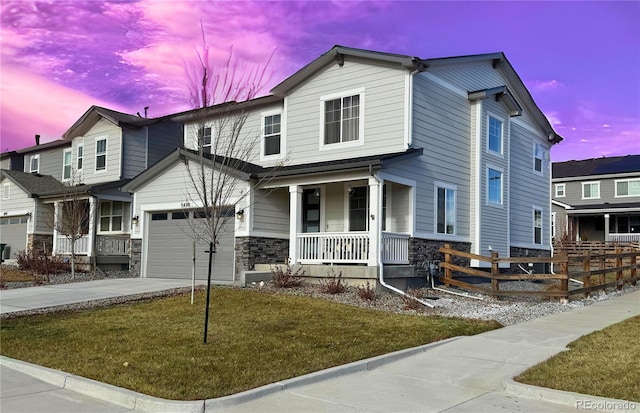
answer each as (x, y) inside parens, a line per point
(35, 185)
(224, 108)
(596, 166)
(35, 148)
(95, 113)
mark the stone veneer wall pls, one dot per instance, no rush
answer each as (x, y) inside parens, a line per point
(135, 256)
(259, 250)
(517, 252)
(421, 250)
(34, 242)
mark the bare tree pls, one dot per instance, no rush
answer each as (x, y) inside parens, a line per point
(218, 172)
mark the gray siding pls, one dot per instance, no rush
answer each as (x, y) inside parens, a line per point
(134, 152)
(271, 211)
(164, 138)
(50, 162)
(573, 191)
(113, 134)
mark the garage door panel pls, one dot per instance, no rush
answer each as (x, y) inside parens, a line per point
(170, 250)
(13, 233)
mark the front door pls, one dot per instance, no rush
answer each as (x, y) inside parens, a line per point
(358, 208)
(311, 210)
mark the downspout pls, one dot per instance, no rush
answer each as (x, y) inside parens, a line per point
(379, 257)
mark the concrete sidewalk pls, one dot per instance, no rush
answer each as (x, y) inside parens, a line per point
(467, 374)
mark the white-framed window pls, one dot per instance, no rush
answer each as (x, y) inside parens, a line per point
(627, 187)
(445, 197)
(111, 213)
(561, 190)
(342, 119)
(495, 134)
(204, 139)
(101, 154)
(34, 163)
(272, 134)
(537, 225)
(80, 157)
(590, 190)
(6, 190)
(539, 156)
(66, 164)
(494, 186)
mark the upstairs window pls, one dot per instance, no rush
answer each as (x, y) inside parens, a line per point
(445, 209)
(34, 164)
(204, 139)
(80, 157)
(101, 154)
(111, 216)
(560, 190)
(494, 140)
(272, 127)
(342, 119)
(66, 164)
(628, 187)
(537, 226)
(539, 153)
(590, 190)
(494, 186)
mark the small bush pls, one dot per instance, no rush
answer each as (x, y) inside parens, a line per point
(409, 300)
(333, 284)
(286, 277)
(40, 263)
(367, 292)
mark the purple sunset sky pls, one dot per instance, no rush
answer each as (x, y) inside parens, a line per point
(579, 60)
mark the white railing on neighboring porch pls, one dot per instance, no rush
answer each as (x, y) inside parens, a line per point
(624, 237)
(111, 245)
(81, 247)
(333, 247)
(394, 248)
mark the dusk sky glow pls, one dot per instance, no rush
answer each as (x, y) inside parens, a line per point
(579, 60)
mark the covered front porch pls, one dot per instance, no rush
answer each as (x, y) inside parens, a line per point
(607, 227)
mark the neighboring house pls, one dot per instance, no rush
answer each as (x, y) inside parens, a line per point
(597, 199)
(387, 157)
(98, 154)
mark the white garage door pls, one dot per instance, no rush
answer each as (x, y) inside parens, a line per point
(13, 233)
(170, 249)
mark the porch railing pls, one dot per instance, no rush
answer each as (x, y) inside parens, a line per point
(111, 245)
(624, 237)
(334, 247)
(81, 247)
(395, 248)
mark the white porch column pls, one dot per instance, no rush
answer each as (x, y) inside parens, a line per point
(92, 226)
(295, 220)
(56, 217)
(375, 214)
(606, 227)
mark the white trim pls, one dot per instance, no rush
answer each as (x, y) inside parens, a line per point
(361, 119)
(283, 150)
(445, 84)
(615, 184)
(6, 190)
(70, 152)
(390, 178)
(553, 229)
(561, 204)
(396, 179)
(501, 153)
(535, 208)
(590, 183)
(564, 190)
(31, 158)
(601, 176)
(441, 237)
(95, 157)
(451, 187)
(545, 155)
(17, 212)
(408, 109)
(475, 244)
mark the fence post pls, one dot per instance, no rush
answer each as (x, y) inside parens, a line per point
(634, 271)
(619, 277)
(495, 271)
(447, 270)
(586, 267)
(564, 270)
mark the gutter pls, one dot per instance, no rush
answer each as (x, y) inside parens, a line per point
(379, 257)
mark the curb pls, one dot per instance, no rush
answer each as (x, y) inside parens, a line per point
(144, 403)
(567, 398)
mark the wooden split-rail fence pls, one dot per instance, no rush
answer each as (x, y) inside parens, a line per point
(593, 269)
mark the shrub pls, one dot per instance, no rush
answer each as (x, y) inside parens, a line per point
(286, 277)
(367, 292)
(40, 263)
(333, 284)
(409, 300)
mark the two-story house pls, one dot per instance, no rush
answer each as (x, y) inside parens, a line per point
(597, 199)
(98, 154)
(386, 158)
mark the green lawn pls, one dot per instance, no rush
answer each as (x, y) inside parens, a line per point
(604, 363)
(255, 338)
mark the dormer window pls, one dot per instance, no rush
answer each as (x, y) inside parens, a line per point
(204, 139)
(34, 164)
